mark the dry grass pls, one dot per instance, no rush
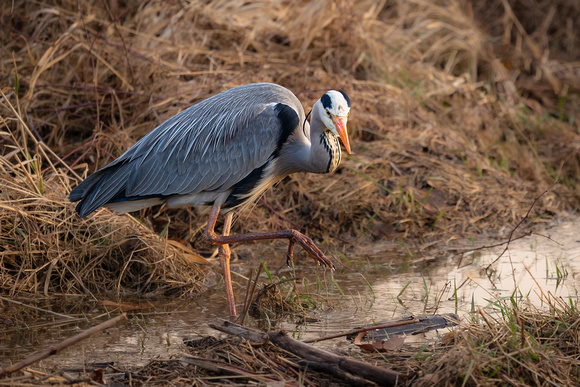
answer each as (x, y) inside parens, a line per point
(450, 113)
(48, 249)
(525, 347)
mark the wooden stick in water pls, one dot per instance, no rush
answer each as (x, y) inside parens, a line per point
(60, 346)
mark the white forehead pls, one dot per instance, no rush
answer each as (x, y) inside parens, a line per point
(339, 104)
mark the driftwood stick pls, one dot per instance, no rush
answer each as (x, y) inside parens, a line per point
(348, 369)
(407, 326)
(255, 336)
(378, 375)
(39, 309)
(62, 345)
(412, 320)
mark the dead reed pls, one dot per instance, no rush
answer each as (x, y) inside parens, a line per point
(524, 346)
(46, 248)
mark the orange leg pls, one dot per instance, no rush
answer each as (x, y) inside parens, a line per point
(224, 253)
(292, 235)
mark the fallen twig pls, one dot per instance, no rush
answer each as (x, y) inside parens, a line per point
(334, 362)
(410, 325)
(408, 321)
(37, 308)
(510, 237)
(255, 336)
(60, 346)
(342, 367)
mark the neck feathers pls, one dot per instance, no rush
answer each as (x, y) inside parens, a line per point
(331, 144)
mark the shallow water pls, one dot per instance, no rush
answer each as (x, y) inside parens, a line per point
(368, 292)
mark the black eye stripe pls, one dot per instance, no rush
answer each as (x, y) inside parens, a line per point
(326, 101)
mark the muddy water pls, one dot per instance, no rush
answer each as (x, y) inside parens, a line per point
(381, 287)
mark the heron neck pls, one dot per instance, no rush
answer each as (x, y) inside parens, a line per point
(324, 151)
(314, 149)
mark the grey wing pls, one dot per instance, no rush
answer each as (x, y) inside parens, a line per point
(208, 147)
(211, 153)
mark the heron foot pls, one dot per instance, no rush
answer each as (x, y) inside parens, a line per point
(309, 245)
(293, 237)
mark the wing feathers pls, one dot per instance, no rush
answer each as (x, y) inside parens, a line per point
(210, 146)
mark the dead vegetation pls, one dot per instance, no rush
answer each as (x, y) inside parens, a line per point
(46, 249)
(445, 119)
(525, 347)
(463, 114)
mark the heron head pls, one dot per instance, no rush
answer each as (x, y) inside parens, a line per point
(334, 114)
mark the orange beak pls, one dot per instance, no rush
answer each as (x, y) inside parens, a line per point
(340, 123)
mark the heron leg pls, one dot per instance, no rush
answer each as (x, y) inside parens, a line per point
(224, 254)
(292, 235)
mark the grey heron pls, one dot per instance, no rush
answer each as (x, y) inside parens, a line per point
(225, 152)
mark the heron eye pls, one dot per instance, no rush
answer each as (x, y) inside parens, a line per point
(328, 113)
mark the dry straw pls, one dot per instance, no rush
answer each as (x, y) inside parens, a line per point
(47, 248)
(462, 115)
